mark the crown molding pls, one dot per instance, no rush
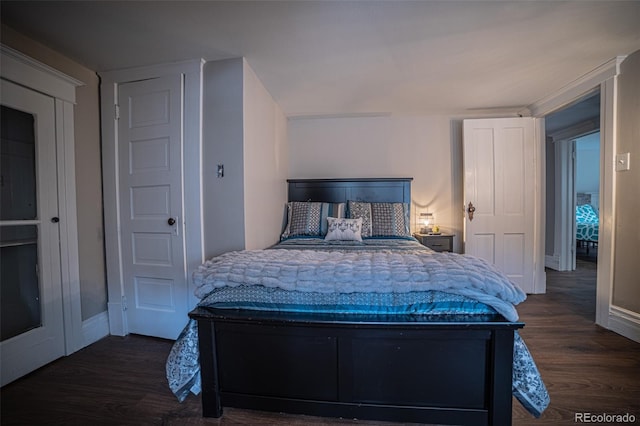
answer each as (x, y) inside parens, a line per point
(576, 88)
(26, 71)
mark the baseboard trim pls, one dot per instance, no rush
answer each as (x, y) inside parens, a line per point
(95, 328)
(625, 322)
(552, 262)
(117, 319)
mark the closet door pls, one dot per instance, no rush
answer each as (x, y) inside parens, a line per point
(152, 231)
(152, 186)
(32, 329)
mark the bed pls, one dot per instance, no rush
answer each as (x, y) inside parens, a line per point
(377, 328)
(587, 223)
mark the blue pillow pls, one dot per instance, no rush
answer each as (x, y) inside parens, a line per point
(309, 219)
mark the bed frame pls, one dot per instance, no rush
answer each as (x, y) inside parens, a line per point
(443, 370)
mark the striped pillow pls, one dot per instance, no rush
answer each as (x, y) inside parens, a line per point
(381, 219)
(306, 218)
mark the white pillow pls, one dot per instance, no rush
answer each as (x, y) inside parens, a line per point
(344, 229)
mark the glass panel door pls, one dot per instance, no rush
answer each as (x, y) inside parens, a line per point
(20, 289)
(31, 314)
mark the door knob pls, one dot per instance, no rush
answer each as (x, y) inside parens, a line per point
(470, 210)
(55, 219)
(171, 221)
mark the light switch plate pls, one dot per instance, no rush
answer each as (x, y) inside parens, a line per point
(622, 161)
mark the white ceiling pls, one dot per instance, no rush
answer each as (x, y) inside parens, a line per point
(353, 57)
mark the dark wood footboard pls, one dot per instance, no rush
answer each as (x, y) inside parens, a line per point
(445, 370)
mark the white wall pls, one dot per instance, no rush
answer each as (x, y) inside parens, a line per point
(588, 166)
(244, 130)
(266, 164)
(427, 148)
(222, 137)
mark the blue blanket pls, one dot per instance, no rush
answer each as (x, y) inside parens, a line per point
(183, 369)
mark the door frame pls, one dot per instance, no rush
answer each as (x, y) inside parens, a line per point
(603, 78)
(192, 156)
(564, 218)
(565, 201)
(28, 72)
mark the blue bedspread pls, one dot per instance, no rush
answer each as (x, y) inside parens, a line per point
(587, 223)
(183, 369)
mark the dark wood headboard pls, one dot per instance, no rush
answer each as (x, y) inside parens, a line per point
(375, 190)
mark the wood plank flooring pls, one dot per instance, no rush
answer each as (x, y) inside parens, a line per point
(585, 367)
(120, 381)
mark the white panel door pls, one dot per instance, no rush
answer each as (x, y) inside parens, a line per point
(32, 322)
(499, 191)
(150, 130)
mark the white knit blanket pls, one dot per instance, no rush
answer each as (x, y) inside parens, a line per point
(381, 271)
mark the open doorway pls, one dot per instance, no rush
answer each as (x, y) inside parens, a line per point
(602, 82)
(573, 177)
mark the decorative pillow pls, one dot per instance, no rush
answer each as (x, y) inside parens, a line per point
(344, 229)
(361, 210)
(306, 218)
(381, 219)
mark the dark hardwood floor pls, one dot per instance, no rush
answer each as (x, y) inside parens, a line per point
(587, 252)
(586, 368)
(120, 381)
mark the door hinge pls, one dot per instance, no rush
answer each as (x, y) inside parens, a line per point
(117, 111)
(124, 303)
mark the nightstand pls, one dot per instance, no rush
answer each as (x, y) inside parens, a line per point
(440, 242)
